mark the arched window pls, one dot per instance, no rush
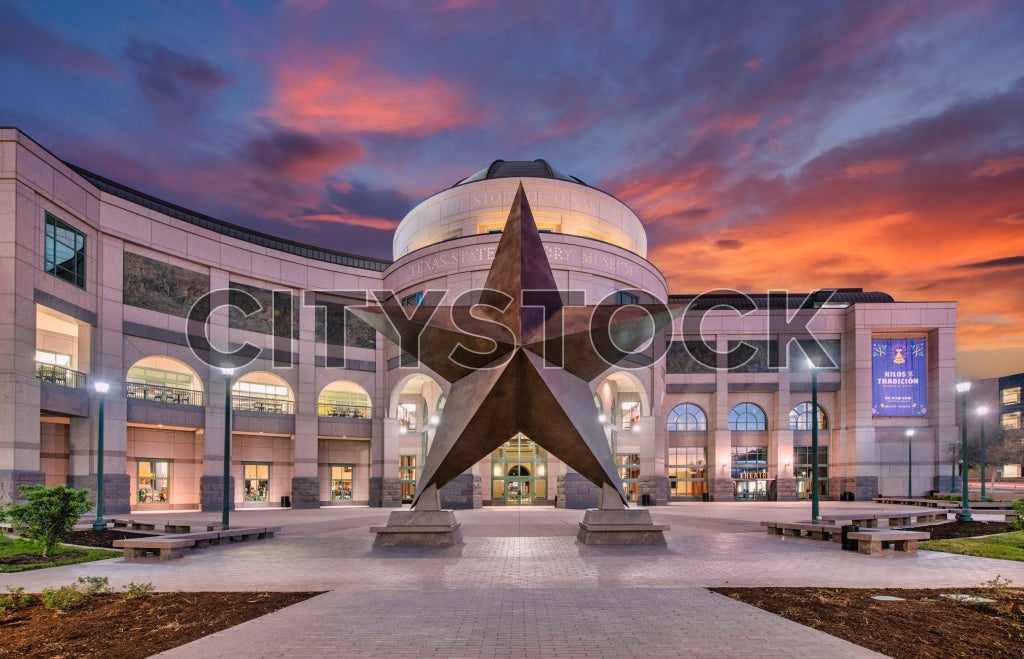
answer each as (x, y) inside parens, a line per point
(747, 416)
(687, 416)
(800, 417)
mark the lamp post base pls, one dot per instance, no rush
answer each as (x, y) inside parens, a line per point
(964, 516)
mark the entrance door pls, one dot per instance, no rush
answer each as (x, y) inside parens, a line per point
(519, 472)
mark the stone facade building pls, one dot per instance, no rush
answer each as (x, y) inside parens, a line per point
(105, 283)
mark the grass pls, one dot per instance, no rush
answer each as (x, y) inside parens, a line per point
(1005, 546)
(11, 547)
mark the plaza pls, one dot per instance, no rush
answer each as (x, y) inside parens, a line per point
(522, 585)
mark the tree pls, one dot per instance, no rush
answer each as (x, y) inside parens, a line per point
(49, 515)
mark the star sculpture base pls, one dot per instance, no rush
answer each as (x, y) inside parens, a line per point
(426, 526)
(614, 524)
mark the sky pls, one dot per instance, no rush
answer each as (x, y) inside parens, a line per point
(764, 145)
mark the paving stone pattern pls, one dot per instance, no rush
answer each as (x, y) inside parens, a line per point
(522, 585)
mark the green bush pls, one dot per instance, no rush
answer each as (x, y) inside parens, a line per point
(134, 590)
(1018, 507)
(64, 598)
(49, 515)
(14, 599)
(94, 585)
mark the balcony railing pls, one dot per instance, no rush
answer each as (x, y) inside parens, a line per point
(176, 395)
(64, 377)
(344, 411)
(261, 404)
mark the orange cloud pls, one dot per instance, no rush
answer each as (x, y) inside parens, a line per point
(337, 92)
(351, 220)
(999, 166)
(875, 168)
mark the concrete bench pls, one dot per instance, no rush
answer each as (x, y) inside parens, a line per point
(166, 547)
(799, 529)
(894, 520)
(875, 541)
(173, 526)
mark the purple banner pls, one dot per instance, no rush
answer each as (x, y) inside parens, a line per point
(899, 377)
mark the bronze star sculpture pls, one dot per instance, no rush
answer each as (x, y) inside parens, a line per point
(519, 360)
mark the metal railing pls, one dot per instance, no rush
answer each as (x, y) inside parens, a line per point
(263, 404)
(59, 375)
(344, 411)
(176, 395)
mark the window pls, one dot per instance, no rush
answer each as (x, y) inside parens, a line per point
(407, 474)
(687, 417)
(413, 300)
(1010, 396)
(341, 482)
(64, 251)
(352, 404)
(622, 298)
(629, 414)
(53, 358)
(153, 481)
(629, 472)
(687, 473)
(747, 416)
(750, 473)
(256, 481)
(1011, 421)
(800, 417)
(803, 468)
(407, 416)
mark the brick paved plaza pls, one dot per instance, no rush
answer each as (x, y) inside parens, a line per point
(521, 585)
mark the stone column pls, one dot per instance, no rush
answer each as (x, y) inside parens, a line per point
(305, 477)
(211, 484)
(19, 387)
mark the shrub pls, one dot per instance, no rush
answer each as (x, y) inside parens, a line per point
(1018, 507)
(49, 515)
(134, 590)
(64, 598)
(14, 599)
(94, 585)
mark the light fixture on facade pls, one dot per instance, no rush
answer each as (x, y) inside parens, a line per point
(636, 427)
(434, 420)
(602, 418)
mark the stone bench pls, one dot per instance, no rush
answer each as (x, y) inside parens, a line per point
(174, 526)
(875, 541)
(166, 547)
(894, 520)
(799, 529)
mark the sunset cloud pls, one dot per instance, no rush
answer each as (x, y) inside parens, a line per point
(798, 146)
(339, 92)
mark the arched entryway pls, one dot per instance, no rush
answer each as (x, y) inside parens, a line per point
(519, 472)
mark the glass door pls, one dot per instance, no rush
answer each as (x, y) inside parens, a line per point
(519, 472)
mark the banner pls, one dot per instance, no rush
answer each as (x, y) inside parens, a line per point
(899, 377)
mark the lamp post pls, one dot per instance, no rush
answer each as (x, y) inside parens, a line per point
(99, 524)
(910, 462)
(982, 411)
(965, 510)
(226, 499)
(815, 515)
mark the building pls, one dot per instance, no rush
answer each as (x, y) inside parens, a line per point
(100, 281)
(996, 405)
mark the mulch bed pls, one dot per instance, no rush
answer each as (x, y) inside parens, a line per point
(923, 625)
(112, 626)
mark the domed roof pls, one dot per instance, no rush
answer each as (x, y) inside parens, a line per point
(519, 169)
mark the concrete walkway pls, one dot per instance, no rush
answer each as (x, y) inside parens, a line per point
(521, 585)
